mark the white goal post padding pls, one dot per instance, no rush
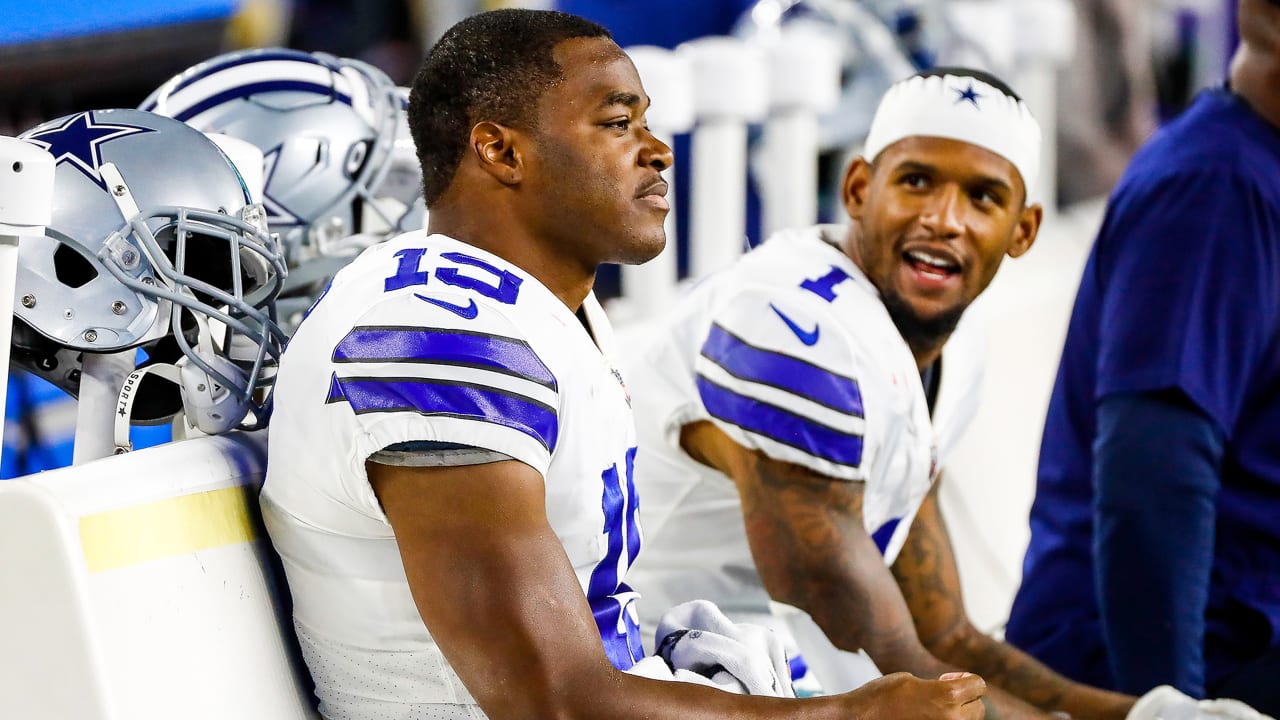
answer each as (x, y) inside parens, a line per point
(142, 587)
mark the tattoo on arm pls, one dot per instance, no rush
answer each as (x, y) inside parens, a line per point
(807, 538)
(926, 573)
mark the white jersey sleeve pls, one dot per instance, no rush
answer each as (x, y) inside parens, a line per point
(410, 370)
(767, 376)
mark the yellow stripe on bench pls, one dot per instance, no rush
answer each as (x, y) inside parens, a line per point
(167, 528)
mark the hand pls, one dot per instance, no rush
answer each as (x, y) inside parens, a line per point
(955, 696)
(1167, 703)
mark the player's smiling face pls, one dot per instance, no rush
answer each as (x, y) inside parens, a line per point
(597, 180)
(933, 219)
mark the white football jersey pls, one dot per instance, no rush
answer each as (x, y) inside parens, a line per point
(790, 352)
(425, 338)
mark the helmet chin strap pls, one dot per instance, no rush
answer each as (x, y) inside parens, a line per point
(207, 403)
(118, 189)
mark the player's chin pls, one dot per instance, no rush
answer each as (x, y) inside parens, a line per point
(939, 300)
(928, 306)
(642, 247)
(924, 318)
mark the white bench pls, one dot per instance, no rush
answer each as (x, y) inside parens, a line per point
(143, 587)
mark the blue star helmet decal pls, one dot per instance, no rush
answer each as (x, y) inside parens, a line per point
(277, 212)
(79, 141)
(967, 95)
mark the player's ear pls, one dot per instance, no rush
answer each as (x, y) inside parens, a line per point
(1028, 227)
(853, 192)
(496, 151)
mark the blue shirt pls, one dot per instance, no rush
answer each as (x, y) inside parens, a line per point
(1181, 292)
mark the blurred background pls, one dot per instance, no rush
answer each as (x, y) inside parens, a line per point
(1110, 72)
(1135, 62)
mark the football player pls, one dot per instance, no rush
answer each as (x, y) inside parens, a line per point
(450, 472)
(788, 444)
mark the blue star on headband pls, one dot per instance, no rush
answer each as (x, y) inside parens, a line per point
(967, 95)
(79, 141)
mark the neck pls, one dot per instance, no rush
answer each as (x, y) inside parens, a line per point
(1255, 74)
(500, 233)
(926, 356)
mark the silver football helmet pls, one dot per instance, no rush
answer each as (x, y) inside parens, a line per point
(339, 167)
(154, 243)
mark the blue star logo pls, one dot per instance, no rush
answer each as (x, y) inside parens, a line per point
(967, 95)
(79, 141)
(277, 213)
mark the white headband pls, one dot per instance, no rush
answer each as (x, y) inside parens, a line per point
(962, 108)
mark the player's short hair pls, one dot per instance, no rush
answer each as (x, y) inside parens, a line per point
(492, 66)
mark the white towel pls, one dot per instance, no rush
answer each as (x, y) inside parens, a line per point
(696, 639)
(1167, 703)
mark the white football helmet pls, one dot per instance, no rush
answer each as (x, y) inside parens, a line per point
(155, 243)
(339, 166)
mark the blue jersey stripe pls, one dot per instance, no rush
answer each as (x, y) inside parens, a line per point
(449, 399)
(804, 379)
(882, 536)
(248, 89)
(780, 425)
(438, 346)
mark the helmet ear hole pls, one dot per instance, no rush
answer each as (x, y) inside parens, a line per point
(356, 158)
(71, 268)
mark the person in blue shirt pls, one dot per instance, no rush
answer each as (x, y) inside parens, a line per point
(1155, 532)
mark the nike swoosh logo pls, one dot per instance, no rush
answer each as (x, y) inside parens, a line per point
(806, 337)
(466, 312)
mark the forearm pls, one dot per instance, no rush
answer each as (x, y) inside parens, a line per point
(888, 698)
(1019, 686)
(806, 537)
(626, 697)
(1155, 465)
(504, 606)
(1022, 676)
(853, 620)
(834, 572)
(600, 691)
